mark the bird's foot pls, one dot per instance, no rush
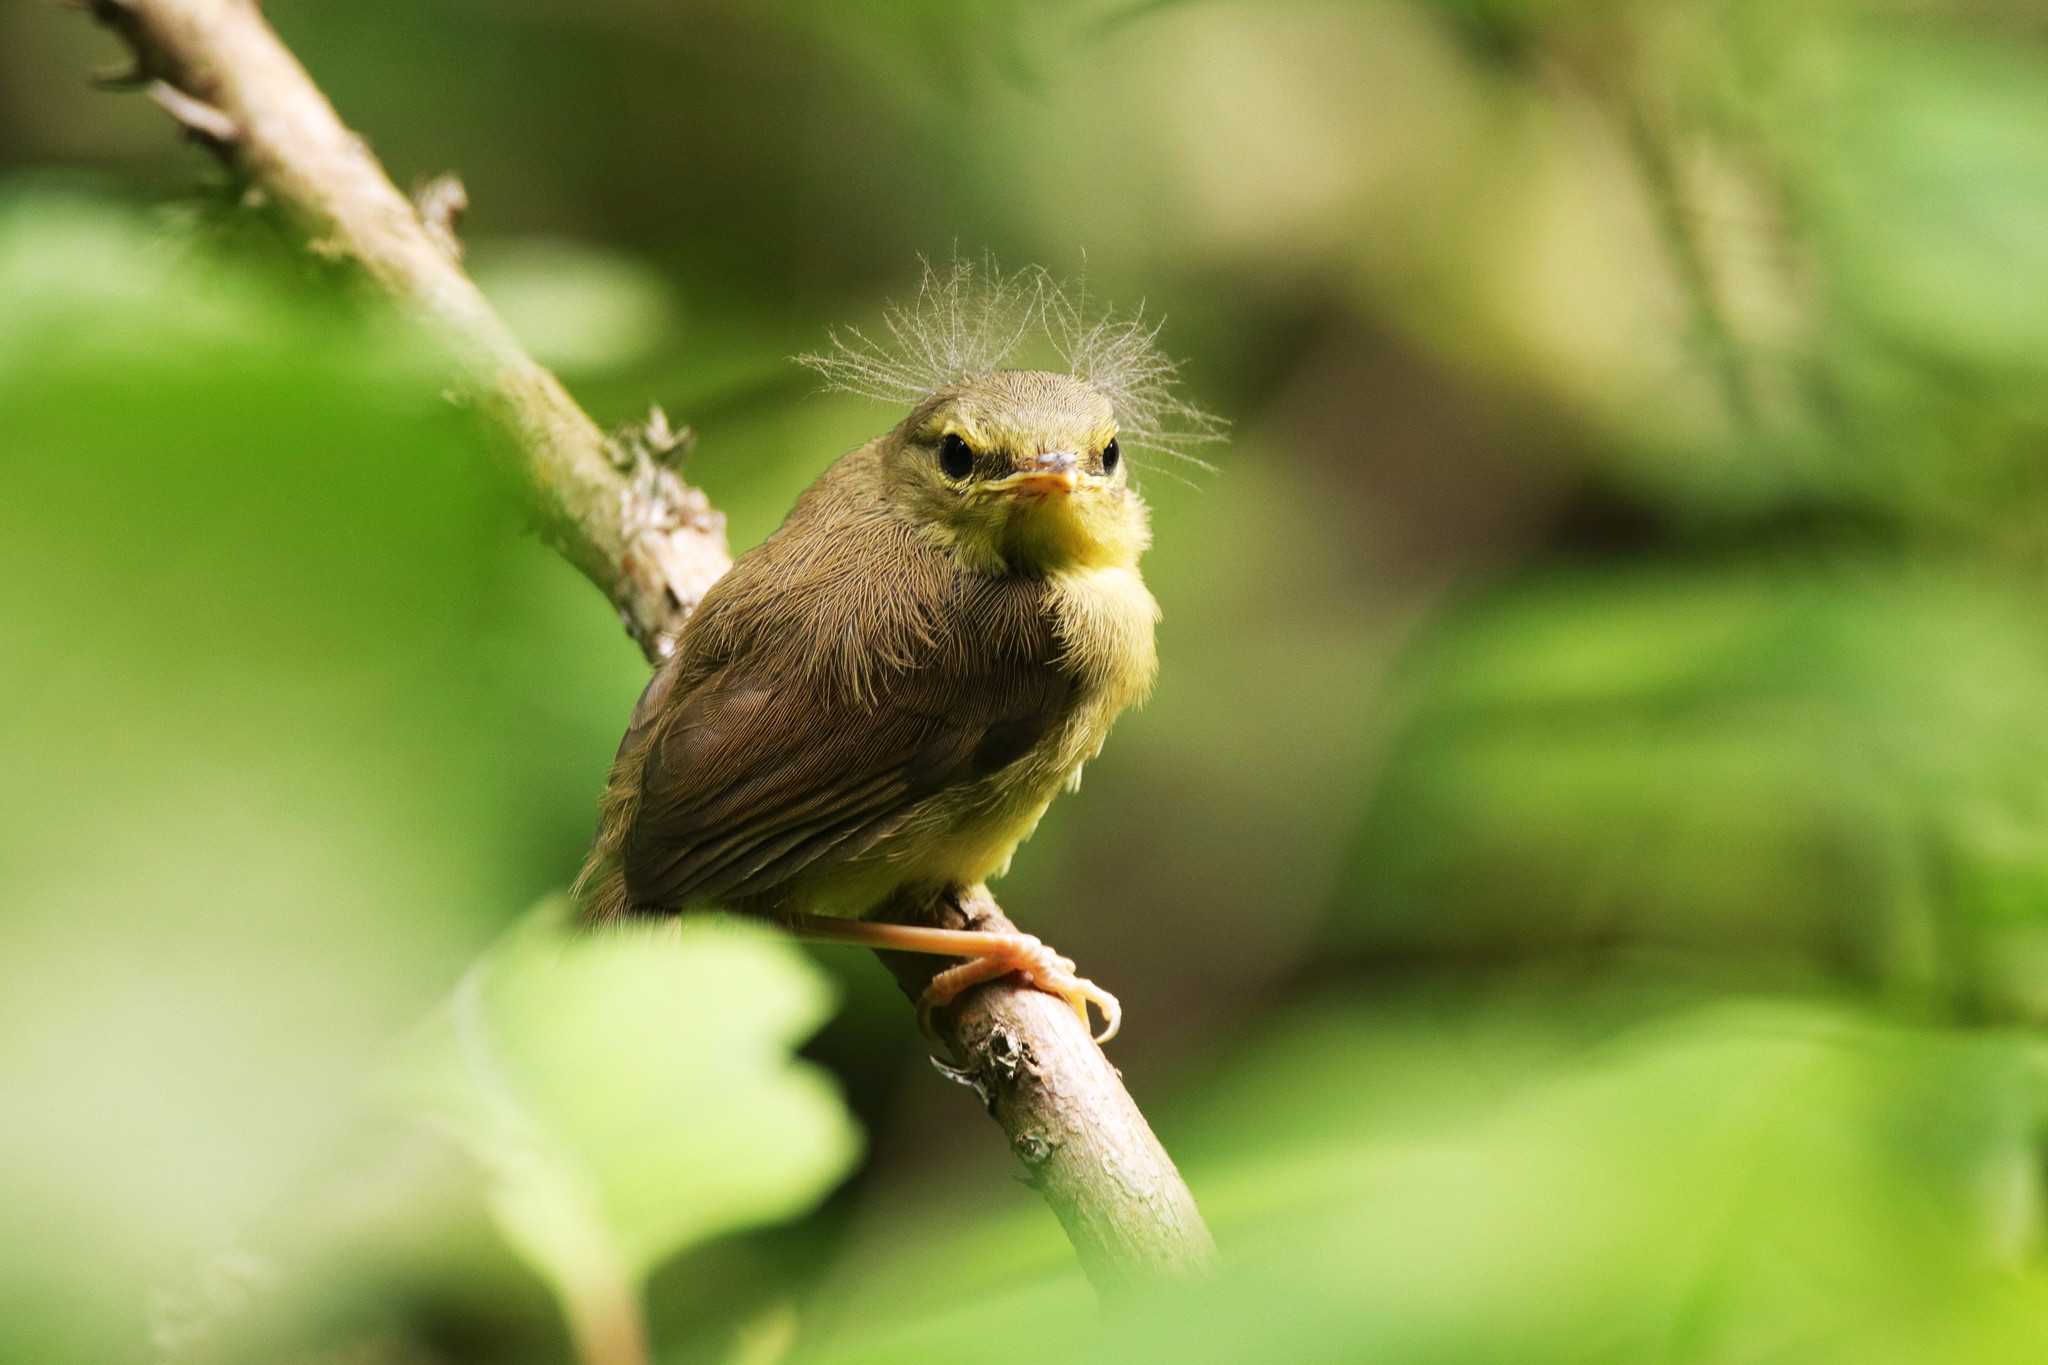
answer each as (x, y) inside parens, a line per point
(1038, 965)
(989, 955)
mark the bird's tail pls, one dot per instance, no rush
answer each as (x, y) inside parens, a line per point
(600, 889)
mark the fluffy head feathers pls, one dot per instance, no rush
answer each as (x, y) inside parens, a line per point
(970, 320)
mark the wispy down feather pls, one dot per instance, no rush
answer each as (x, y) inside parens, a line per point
(969, 320)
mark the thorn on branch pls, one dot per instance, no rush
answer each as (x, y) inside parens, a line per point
(128, 75)
(652, 440)
(201, 121)
(968, 1077)
(665, 444)
(440, 202)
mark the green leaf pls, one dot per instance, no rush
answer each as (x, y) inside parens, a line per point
(1748, 1179)
(576, 307)
(1839, 765)
(1545, 1168)
(258, 799)
(1932, 197)
(632, 1093)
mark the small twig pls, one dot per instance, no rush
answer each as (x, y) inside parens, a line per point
(607, 1322)
(616, 508)
(127, 75)
(1689, 260)
(200, 119)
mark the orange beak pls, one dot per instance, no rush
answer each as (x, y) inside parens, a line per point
(1052, 472)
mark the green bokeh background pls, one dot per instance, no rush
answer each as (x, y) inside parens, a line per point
(1580, 892)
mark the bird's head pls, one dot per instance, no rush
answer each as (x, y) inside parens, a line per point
(1018, 471)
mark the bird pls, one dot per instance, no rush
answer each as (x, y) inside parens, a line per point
(883, 697)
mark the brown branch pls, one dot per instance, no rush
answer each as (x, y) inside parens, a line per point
(1084, 1144)
(649, 541)
(616, 509)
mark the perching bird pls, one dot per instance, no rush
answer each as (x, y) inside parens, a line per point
(885, 695)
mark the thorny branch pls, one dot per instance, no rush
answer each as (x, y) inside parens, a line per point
(617, 510)
(649, 541)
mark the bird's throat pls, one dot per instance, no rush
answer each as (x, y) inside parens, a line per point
(1055, 534)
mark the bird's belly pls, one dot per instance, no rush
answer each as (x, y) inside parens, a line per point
(968, 834)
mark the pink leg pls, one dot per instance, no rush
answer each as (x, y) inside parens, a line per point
(988, 957)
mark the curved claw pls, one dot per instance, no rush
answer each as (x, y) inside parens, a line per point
(1040, 967)
(1079, 993)
(927, 1006)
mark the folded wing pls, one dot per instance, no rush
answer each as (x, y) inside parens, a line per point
(755, 779)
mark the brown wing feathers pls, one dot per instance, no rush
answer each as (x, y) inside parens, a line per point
(826, 686)
(748, 788)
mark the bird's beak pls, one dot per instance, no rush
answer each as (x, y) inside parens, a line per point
(1056, 471)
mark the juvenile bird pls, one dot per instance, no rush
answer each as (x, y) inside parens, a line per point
(884, 696)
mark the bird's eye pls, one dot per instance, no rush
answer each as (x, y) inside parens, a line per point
(956, 457)
(1110, 455)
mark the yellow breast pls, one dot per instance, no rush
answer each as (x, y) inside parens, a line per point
(1104, 619)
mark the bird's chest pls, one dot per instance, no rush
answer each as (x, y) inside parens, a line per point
(1102, 621)
(1098, 639)
(1089, 637)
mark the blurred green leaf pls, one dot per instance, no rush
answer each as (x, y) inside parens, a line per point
(1931, 195)
(1758, 1178)
(1836, 763)
(1535, 1170)
(577, 307)
(258, 803)
(1716, 726)
(631, 1093)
